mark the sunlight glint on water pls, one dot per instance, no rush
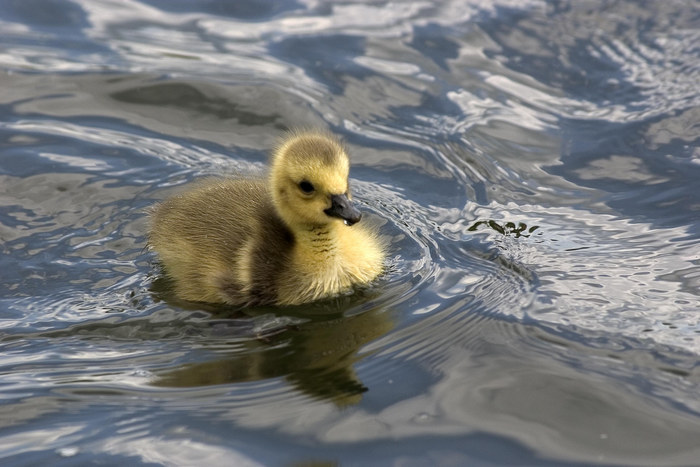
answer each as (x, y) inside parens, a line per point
(532, 165)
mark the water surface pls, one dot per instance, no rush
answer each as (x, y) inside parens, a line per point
(533, 166)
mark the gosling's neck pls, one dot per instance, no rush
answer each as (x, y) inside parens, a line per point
(319, 241)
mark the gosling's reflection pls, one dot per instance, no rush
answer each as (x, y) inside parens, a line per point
(316, 357)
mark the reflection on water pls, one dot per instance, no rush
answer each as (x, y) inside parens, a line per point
(533, 166)
(316, 357)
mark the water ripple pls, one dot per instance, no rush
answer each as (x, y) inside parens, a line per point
(531, 165)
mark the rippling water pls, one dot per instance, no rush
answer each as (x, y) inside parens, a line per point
(533, 165)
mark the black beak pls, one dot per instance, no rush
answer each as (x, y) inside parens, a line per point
(342, 207)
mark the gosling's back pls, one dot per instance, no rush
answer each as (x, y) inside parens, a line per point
(200, 235)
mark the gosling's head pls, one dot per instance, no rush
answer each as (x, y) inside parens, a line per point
(309, 181)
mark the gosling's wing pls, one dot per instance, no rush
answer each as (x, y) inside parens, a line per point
(270, 255)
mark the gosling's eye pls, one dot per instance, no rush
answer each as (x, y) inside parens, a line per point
(306, 187)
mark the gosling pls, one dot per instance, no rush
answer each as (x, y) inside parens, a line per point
(287, 240)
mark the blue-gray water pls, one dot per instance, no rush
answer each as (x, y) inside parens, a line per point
(535, 167)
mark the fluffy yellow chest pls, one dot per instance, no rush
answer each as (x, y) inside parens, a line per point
(328, 260)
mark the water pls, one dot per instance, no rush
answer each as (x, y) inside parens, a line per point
(533, 165)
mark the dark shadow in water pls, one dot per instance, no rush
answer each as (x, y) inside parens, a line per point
(258, 10)
(315, 355)
(186, 96)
